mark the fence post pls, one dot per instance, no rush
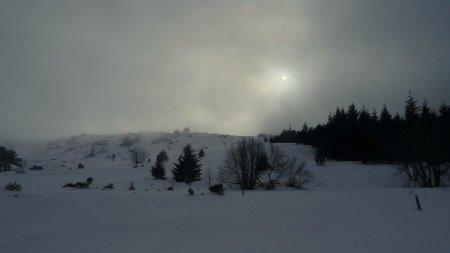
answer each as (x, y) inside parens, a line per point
(418, 203)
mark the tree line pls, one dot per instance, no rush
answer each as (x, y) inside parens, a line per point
(419, 139)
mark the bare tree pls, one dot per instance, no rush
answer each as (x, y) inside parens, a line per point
(297, 175)
(138, 155)
(278, 165)
(240, 164)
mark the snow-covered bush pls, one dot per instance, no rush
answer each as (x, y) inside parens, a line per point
(138, 155)
(108, 186)
(8, 158)
(217, 188)
(91, 153)
(21, 171)
(129, 140)
(80, 185)
(297, 175)
(320, 157)
(36, 167)
(201, 153)
(13, 186)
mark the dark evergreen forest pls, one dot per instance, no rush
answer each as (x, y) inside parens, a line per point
(417, 139)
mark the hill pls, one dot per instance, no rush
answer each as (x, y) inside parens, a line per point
(348, 208)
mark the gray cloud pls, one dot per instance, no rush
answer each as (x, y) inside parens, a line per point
(70, 67)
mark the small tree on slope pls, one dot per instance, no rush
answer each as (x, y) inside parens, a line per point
(162, 156)
(8, 157)
(159, 170)
(188, 168)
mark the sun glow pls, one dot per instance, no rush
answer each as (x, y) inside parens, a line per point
(276, 82)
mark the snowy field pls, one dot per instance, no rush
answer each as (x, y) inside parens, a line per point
(350, 207)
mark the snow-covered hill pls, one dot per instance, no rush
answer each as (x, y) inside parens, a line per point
(349, 207)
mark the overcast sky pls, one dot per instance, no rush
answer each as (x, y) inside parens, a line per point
(237, 67)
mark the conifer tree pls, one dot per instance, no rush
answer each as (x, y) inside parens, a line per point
(201, 153)
(385, 116)
(411, 108)
(159, 170)
(162, 156)
(188, 168)
(8, 157)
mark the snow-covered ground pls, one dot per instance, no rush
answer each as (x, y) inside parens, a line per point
(350, 207)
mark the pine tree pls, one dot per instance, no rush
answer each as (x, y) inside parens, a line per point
(352, 113)
(411, 109)
(320, 157)
(201, 154)
(162, 156)
(385, 116)
(159, 170)
(188, 168)
(8, 157)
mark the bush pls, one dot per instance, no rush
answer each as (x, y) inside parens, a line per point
(109, 186)
(201, 153)
(320, 157)
(21, 171)
(129, 140)
(138, 155)
(297, 175)
(8, 157)
(13, 186)
(217, 188)
(36, 167)
(80, 185)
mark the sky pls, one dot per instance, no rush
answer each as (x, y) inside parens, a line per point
(237, 67)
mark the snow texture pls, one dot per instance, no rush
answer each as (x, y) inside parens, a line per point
(350, 207)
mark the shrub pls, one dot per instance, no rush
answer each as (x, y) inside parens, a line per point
(109, 186)
(131, 188)
(201, 153)
(21, 171)
(320, 157)
(217, 188)
(13, 186)
(129, 140)
(138, 155)
(8, 157)
(80, 185)
(297, 175)
(36, 167)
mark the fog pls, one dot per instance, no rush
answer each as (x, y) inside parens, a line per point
(104, 67)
